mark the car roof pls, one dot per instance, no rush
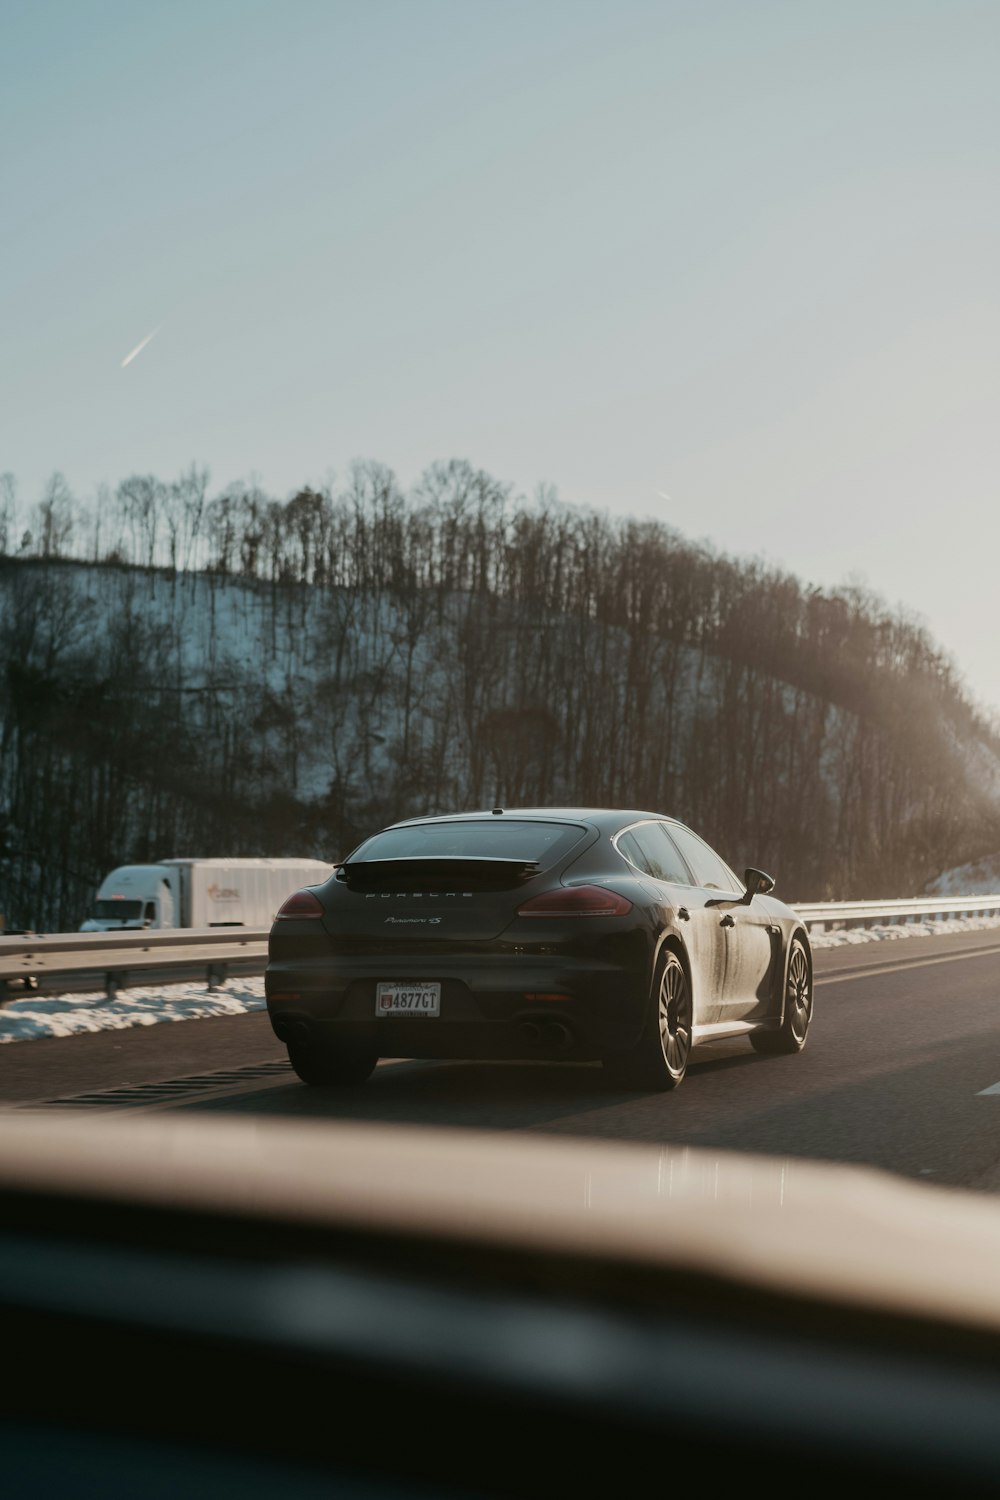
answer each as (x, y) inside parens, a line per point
(603, 817)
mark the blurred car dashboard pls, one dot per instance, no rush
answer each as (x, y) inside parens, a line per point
(212, 1307)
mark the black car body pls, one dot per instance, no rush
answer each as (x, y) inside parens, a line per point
(574, 934)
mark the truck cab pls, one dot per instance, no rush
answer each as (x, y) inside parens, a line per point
(134, 896)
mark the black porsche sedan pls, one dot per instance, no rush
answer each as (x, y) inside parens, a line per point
(560, 934)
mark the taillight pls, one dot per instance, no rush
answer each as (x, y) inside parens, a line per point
(576, 901)
(301, 905)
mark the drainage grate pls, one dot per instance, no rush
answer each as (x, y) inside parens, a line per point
(168, 1091)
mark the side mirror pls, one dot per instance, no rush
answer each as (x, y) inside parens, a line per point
(757, 883)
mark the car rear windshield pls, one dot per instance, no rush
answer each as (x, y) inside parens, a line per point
(500, 838)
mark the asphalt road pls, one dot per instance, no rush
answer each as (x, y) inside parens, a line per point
(904, 1051)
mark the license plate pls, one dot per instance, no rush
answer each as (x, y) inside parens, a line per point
(422, 998)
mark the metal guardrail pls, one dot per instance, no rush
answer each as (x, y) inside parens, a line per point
(832, 914)
(112, 956)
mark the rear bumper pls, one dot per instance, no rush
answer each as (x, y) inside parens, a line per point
(488, 1009)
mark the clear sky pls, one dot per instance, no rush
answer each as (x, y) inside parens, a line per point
(730, 263)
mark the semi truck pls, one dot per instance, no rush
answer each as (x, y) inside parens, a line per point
(200, 892)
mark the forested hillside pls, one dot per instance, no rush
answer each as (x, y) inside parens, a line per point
(196, 675)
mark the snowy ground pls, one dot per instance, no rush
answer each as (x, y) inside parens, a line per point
(32, 1016)
(893, 931)
(968, 880)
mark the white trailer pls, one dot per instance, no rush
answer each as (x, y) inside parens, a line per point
(200, 892)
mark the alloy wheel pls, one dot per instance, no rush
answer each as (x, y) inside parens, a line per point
(675, 1017)
(798, 994)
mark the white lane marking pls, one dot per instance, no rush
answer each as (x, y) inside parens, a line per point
(913, 963)
(994, 1088)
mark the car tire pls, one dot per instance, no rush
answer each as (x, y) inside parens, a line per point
(798, 1008)
(324, 1067)
(659, 1060)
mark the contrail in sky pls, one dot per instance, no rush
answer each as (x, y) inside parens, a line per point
(139, 348)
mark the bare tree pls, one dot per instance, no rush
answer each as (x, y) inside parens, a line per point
(183, 507)
(54, 516)
(140, 498)
(8, 512)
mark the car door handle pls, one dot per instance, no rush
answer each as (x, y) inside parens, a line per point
(727, 921)
(683, 915)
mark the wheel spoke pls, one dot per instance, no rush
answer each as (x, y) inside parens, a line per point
(677, 1050)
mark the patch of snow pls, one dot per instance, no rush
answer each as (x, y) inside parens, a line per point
(68, 1015)
(982, 764)
(981, 877)
(892, 931)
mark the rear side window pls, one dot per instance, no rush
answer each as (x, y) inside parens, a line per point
(648, 848)
(708, 869)
(628, 847)
(500, 838)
